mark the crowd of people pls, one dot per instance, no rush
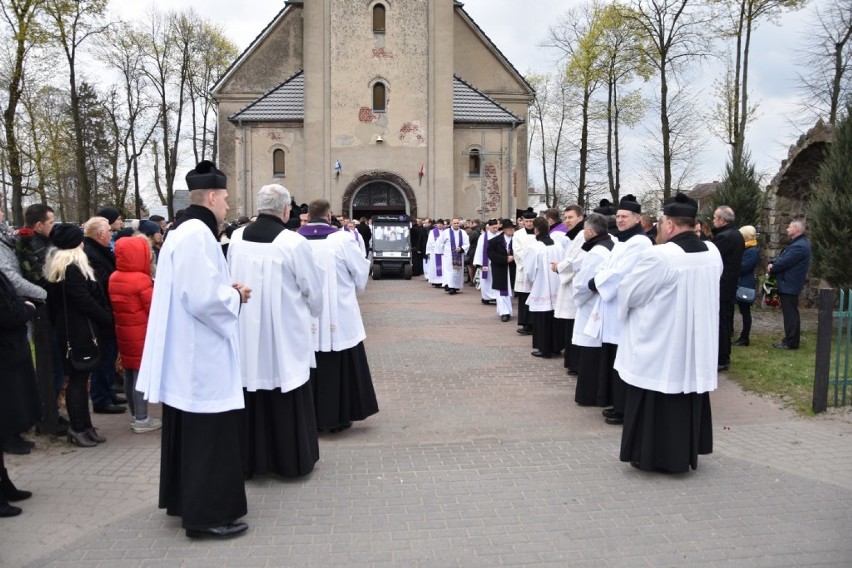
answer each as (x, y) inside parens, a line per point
(640, 310)
(250, 334)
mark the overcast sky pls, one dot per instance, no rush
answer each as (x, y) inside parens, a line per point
(519, 28)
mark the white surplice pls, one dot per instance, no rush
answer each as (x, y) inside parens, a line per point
(339, 326)
(480, 256)
(453, 276)
(276, 348)
(586, 266)
(520, 242)
(669, 305)
(433, 272)
(191, 357)
(541, 280)
(565, 307)
(622, 260)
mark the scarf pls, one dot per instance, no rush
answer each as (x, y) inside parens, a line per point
(458, 259)
(439, 271)
(751, 243)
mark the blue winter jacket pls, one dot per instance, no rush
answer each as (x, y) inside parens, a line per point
(749, 263)
(791, 267)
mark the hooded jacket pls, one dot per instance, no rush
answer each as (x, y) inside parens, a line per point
(130, 290)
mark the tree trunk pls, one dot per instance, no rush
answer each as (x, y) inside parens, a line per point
(665, 132)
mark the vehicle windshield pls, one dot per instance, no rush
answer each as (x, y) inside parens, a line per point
(390, 237)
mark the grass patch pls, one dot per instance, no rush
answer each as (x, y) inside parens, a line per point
(785, 375)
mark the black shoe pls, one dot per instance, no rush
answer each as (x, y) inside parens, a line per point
(609, 412)
(110, 409)
(94, 436)
(523, 331)
(118, 399)
(504, 318)
(225, 531)
(782, 346)
(9, 510)
(8, 490)
(615, 420)
(80, 439)
(19, 440)
(13, 446)
(571, 372)
(540, 354)
(742, 342)
(453, 291)
(722, 368)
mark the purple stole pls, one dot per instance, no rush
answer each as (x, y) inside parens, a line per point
(317, 231)
(438, 270)
(560, 228)
(483, 275)
(457, 256)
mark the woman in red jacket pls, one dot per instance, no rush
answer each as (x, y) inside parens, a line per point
(130, 289)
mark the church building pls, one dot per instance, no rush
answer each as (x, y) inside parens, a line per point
(378, 106)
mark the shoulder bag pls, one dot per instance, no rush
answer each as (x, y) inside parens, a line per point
(85, 358)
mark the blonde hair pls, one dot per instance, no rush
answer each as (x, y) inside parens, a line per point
(58, 261)
(748, 232)
(93, 225)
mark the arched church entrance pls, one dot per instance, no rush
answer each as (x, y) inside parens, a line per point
(379, 193)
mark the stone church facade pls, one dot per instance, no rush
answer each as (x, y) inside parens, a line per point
(379, 106)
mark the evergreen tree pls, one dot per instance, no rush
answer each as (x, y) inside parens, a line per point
(740, 189)
(831, 209)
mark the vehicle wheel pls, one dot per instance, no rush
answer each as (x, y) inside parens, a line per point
(406, 272)
(377, 271)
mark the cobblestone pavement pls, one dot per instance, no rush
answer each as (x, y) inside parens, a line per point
(479, 457)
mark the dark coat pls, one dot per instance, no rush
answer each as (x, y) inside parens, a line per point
(731, 245)
(750, 257)
(86, 303)
(102, 261)
(20, 405)
(366, 233)
(791, 267)
(502, 271)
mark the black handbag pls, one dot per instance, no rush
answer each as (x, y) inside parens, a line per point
(85, 358)
(745, 295)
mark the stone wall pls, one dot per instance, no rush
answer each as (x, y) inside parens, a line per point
(788, 194)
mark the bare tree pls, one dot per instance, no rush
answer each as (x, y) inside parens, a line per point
(134, 120)
(22, 20)
(827, 56)
(578, 35)
(674, 35)
(74, 22)
(743, 16)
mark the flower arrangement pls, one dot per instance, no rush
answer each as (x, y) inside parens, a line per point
(770, 291)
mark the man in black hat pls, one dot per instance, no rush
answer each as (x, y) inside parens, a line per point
(191, 364)
(480, 260)
(631, 242)
(501, 255)
(667, 351)
(523, 236)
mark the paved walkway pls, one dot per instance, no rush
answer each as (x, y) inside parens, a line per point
(479, 457)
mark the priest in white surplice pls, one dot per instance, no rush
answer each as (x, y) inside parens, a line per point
(565, 309)
(592, 386)
(669, 345)
(543, 282)
(523, 236)
(453, 243)
(434, 271)
(342, 385)
(631, 242)
(276, 350)
(480, 260)
(191, 364)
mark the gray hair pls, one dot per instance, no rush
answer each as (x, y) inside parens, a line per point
(597, 223)
(800, 223)
(273, 199)
(726, 214)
